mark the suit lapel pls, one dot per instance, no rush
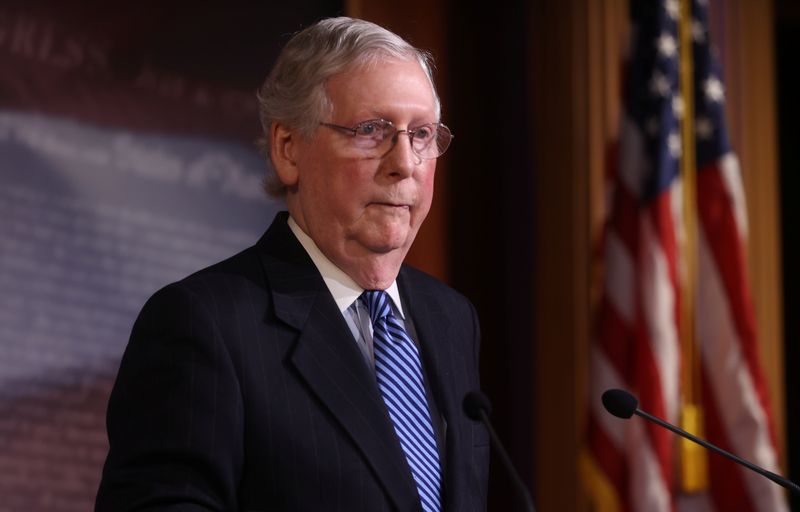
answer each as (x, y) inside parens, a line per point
(433, 326)
(328, 360)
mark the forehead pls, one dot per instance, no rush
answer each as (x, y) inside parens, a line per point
(383, 88)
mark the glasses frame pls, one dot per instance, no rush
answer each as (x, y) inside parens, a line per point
(353, 130)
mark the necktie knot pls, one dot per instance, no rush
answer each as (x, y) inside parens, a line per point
(378, 303)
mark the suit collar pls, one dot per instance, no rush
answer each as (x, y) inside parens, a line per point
(327, 359)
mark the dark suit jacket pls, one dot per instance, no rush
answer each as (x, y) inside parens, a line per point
(242, 389)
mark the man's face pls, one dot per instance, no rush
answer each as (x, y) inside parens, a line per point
(353, 207)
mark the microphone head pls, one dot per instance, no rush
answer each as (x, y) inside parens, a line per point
(620, 403)
(474, 403)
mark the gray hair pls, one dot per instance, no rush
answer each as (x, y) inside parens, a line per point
(294, 91)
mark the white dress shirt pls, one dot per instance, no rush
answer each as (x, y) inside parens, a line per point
(346, 291)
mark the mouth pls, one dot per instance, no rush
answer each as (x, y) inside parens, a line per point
(393, 206)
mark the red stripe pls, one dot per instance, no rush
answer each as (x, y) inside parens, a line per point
(647, 385)
(616, 339)
(632, 358)
(628, 347)
(727, 491)
(648, 381)
(719, 224)
(624, 216)
(611, 462)
(661, 215)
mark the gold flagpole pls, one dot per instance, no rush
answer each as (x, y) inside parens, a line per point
(693, 462)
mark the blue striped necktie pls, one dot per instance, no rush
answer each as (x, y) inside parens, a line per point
(399, 374)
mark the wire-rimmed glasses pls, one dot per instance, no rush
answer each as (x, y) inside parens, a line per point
(377, 137)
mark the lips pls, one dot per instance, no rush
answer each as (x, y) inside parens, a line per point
(391, 205)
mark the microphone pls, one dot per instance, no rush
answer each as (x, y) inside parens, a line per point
(623, 405)
(477, 407)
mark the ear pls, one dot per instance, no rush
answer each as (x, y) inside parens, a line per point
(283, 148)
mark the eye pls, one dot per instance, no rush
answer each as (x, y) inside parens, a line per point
(424, 133)
(372, 129)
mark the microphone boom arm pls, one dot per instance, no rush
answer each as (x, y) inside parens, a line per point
(788, 484)
(506, 460)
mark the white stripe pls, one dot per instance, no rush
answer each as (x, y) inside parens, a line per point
(732, 179)
(633, 160)
(619, 277)
(679, 226)
(744, 420)
(648, 490)
(698, 502)
(604, 377)
(658, 306)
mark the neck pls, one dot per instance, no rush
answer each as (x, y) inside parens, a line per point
(374, 272)
(368, 269)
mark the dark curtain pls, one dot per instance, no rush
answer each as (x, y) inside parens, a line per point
(787, 46)
(491, 221)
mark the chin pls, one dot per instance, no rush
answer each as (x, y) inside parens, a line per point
(386, 247)
(388, 242)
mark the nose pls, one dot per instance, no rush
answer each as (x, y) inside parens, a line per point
(401, 159)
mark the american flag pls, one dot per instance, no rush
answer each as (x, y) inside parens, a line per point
(632, 465)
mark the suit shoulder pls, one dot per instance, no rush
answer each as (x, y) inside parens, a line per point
(232, 278)
(244, 266)
(241, 263)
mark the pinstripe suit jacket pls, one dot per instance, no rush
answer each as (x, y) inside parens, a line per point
(242, 389)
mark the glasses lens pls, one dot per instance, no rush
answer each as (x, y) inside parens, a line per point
(370, 134)
(443, 138)
(431, 140)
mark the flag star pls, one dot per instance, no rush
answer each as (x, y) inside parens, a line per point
(659, 84)
(678, 106)
(674, 145)
(714, 90)
(704, 128)
(673, 8)
(698, 32)
(666, 45)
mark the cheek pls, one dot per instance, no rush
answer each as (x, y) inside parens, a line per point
(342, 197)
(337, 185)
(426, 184)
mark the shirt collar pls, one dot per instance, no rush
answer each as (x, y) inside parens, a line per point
(343, 288)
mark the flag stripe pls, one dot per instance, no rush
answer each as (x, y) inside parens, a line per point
(722, 230)
(638, 344)
(743, 424)
(727, 487)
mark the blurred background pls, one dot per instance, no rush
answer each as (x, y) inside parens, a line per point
(128, 160)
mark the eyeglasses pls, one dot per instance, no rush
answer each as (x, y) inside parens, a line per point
(377, 137)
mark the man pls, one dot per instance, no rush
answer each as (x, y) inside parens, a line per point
(313, 371)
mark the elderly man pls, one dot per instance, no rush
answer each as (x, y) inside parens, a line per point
(313, 371)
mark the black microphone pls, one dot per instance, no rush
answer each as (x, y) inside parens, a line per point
(477, 407)
(623, 405)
